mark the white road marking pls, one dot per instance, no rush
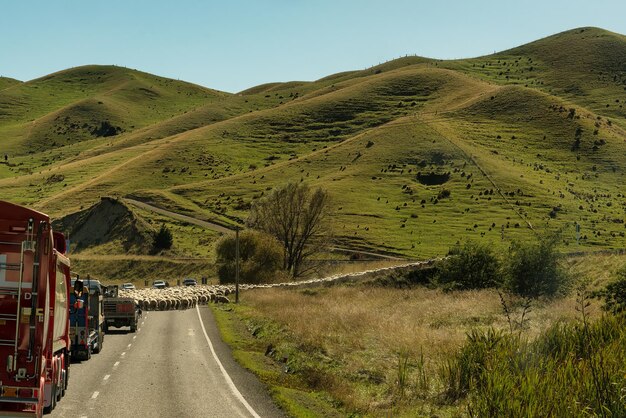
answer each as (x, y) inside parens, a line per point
(95, 395)
(117, 363)
(134, 336)
(124, 353)
(232, 386)
(107, 377)
(129, 345)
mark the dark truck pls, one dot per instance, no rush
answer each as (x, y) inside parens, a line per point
(86, 318)
(119, 312)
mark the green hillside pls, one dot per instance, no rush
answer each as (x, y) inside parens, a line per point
(584, 66)
(6, 82)
(417, 154)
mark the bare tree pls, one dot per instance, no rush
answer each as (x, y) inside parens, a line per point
(296, 215)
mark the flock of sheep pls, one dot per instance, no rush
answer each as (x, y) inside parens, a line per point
(177, 297)
(185, 297)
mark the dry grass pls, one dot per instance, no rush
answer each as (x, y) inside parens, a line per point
(598, 268)
(367, 331)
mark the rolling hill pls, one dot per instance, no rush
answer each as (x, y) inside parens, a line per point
(417, 154)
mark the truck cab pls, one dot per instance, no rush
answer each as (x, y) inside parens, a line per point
(119, 311)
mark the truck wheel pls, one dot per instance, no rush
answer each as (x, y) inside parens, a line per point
(98, 346)
(133, 328)
(63, 383)
(67, 376)
(53, 400)
(59, 394)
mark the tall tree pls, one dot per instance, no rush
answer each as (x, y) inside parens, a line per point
(296, 215)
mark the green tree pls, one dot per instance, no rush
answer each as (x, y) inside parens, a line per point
(296, 215)
(472, 266)
(163, 239)
(533, 269)
(260, 257)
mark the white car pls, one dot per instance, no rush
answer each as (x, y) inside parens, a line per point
(128, 286)
(159, 284)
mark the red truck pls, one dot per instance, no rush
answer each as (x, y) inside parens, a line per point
(34, 297)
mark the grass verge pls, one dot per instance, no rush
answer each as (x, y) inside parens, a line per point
(252, 351)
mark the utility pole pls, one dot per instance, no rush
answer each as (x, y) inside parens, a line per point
(237, 264)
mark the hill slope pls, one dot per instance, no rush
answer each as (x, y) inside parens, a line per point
(418, 154)
(6, 82)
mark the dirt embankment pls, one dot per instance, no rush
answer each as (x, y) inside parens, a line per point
(107, 222)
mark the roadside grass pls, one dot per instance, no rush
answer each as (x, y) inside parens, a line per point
(287, 389)
(377, 351)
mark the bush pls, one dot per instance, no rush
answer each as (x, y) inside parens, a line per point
(163, 239)
(615, 294)
(533, 269)
(260, 257)
(569, 370)
(472, 266)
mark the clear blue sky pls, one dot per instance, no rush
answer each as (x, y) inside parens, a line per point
(232, 45)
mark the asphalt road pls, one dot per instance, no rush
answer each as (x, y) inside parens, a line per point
(175, 365)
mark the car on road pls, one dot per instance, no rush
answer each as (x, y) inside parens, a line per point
(159, 284)
(128, 286)
(190, 282)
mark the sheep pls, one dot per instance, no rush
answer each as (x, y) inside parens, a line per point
(221, 299)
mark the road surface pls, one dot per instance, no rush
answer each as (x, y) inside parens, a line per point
(175, 365)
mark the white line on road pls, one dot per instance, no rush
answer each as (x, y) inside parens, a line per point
(117, 363)
(129, 345)
(95, 395)
(232, 386)
(124, 353)
(134, 336)
(107, 377)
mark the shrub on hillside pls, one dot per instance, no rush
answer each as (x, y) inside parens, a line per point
(260, 257)
(615, 294)
(472, 266)
(163, 239)
(533, 269)
(568, 370)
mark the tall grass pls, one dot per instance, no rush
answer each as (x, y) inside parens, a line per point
(571, 369)
(380, 350)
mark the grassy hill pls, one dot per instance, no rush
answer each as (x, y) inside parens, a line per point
(6, 82)
(417, 153)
